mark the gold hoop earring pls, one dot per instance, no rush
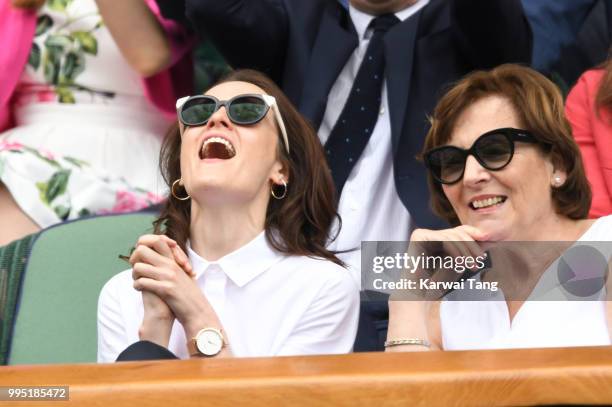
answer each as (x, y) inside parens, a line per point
(174, 193)
(284, 191)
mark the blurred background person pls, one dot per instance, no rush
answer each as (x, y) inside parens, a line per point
(85, 100)
(566, 37)
(591, 45)
(252, 203)
(503, 167)
(555, 24)
(589, 110)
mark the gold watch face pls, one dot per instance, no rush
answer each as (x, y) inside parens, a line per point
(209, 342)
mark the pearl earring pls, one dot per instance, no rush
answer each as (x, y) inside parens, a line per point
(557, 181)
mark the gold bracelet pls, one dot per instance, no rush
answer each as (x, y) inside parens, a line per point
(411, 341)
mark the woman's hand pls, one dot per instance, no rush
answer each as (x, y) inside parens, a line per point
(158, 272)
(459, 241)
(417, 317)
(460, 244)
(158, 317)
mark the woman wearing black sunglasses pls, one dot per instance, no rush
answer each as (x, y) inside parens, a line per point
(504, 169)
(238, 257)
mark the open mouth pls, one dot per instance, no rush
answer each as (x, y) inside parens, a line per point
(488, 202)
(217, 147)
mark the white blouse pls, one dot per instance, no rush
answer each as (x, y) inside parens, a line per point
(269, 304)
(539, 323)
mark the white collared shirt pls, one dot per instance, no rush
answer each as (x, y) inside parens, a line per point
(370, 206)
(268, 303)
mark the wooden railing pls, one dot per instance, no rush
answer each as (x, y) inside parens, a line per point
(486, 378)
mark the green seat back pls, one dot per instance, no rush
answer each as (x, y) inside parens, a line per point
(13, 259)
(68, 265)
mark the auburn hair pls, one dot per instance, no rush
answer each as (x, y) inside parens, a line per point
(538, 104)
(299, 224)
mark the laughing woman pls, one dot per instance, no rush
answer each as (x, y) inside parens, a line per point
(241, 268)
(503, 167)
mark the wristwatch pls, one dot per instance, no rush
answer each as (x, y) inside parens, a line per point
(207, 342)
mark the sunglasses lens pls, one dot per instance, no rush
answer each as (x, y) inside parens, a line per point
(447, 164)
(197, 111)
(247, 110)
(495, 150)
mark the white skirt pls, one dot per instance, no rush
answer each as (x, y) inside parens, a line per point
(63, 161)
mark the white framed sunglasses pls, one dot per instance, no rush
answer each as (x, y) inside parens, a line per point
(244, 110)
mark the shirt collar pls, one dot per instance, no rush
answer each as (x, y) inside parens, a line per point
(362, 20)
(243, 264)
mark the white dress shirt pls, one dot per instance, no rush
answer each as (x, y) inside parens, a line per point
(268, 303)
(370, 207)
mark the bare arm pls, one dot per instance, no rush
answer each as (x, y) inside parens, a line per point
(418, 317)
(138, 34)
(162, 271)
(158, 318)
(414, 320)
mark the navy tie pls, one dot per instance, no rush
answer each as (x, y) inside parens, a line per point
(352, 131)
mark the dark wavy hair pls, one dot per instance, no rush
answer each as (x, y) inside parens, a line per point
(539, 106)
(299, 224)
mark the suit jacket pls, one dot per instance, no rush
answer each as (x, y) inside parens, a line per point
(593, 133)
(144, 350)
(303, 46)
(555, 24)
(592, 44)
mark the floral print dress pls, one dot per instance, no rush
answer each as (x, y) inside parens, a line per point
(86, 139)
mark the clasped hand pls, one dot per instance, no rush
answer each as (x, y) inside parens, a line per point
(162, 272)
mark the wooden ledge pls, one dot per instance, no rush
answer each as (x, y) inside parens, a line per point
(487, 378)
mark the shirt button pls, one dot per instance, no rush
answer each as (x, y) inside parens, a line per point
(213, 269)
(382, 111)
